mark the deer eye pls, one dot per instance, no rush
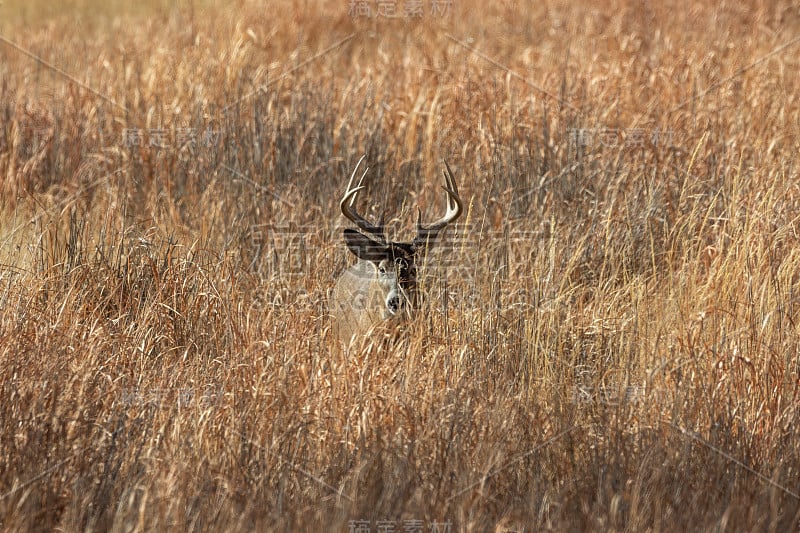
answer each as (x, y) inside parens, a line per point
(381, 269)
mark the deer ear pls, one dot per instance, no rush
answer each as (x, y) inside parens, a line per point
(365, 248)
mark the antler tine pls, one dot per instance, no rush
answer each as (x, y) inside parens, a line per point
(427, 234)
(348, 201)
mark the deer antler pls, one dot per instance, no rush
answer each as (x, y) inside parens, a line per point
(426, 235)
(348, 200)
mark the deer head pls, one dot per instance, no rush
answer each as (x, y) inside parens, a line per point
(382, 285)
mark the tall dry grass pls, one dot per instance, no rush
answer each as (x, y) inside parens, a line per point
(609, 339)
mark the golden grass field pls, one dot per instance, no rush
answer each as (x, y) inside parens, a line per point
(610, 337)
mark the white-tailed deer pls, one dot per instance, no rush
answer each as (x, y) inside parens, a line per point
(382, 286)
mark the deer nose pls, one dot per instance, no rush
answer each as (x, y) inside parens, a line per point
(394, 302)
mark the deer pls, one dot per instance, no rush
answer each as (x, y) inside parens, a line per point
(381, 287)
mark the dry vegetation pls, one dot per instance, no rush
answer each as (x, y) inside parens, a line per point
(609, 343)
